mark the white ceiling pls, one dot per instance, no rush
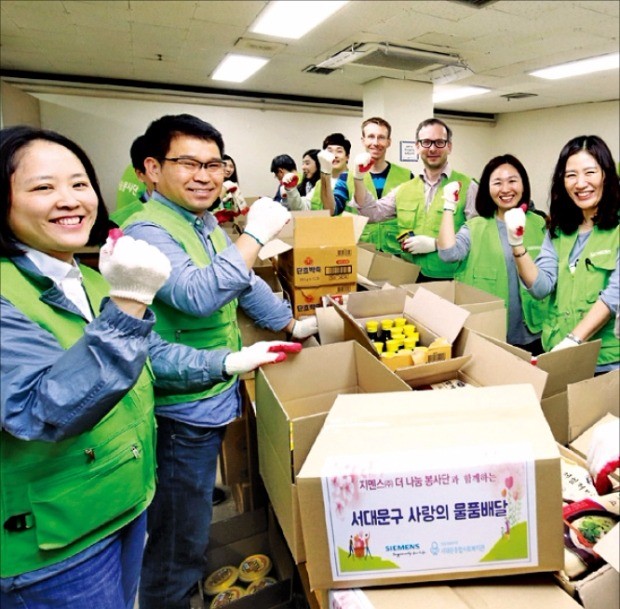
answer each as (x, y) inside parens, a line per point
(181, 43)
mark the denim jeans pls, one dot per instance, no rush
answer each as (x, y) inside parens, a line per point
(179, 518)
(107, 580)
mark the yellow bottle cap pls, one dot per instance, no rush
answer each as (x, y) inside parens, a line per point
(220, 580)
(400, 322)
(396, 332)
(408, 329)
(259, 584)
(388, 355)
(391, 345)
(378, 347)
(372, 325)
(254, 567)
(410, 343)
(386, 324)
(225, 598)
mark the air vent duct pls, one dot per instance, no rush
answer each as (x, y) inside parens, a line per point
(475, 3)
(509, 96)
(312, 69)
(388, 56)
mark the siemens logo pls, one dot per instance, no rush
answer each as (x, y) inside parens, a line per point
(401, 547)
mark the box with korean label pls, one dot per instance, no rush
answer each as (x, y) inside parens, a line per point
(305, 301)
(431, 486)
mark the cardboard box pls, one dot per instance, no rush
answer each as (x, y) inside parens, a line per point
(518, 592)
(316, 249)
(305, 301)
(433, 317)
(588, 402)
(564, 367)
(601, 588)
(292, 400)
(410, 476)
(481, 364)
(232, 540)
(375, 269)
(488, 312)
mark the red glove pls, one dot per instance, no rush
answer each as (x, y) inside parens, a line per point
(224, 215)
(362, 164)
(604, 454)
(451, 196)
(290, 181)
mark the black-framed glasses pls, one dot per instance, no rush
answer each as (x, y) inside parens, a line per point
(429, 143)
(193, 166)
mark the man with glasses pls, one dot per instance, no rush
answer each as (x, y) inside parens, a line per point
(417, 204)
(197, 307)
(382, 178)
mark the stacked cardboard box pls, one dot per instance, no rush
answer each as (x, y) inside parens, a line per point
(316, 256)
(413, 487)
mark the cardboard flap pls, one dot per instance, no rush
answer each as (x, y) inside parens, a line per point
(569, 365)
(492, 365)
(440, 316)
(359, 222)
(382, 268)
(370, 304)
(351, 329)
(432, 373)
(609, 547)
(315, 231)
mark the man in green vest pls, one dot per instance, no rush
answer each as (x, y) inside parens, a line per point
(197, 306)
(417, 204)
(382, 177)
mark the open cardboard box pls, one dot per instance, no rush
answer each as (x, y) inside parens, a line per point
(232, 540)
(305, 301)
(409, 477)
(481, 364)
(516, 592)
(433, 317)
(601, 588)
(488, 312)
(292, 401)
(564, 368)
(375, 269)
(315, 249)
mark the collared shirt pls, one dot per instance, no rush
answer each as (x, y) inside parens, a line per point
(202, 291)
(67, 277)
(377, 210)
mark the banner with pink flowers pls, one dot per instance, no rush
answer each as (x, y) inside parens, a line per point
(431, 512)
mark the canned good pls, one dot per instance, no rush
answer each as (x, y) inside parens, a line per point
(220, 580)
(254, 567)
(259, 584)
(225, 598)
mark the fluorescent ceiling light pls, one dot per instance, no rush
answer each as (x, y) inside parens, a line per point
(576, 68)
(237, 68)
(451, 93)
(286, 19)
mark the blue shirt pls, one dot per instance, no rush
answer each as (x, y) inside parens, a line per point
(202, 291)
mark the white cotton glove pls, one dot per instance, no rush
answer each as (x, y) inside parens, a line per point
(604, 454)
(420, 244)
(451, 196)
(303, 328)
(362, 164)
(515, 225)
(326, 160)
(229, 186)
(133, 268)
(264, 352)
(266, 219)
(565, 343)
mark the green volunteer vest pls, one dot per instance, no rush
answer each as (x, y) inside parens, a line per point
(482, 268)
(381, 234)
(217, 331)
(129, 188)
(411, 214)
(315, 199)
(120, 215)
(575, 293)
(59, 498)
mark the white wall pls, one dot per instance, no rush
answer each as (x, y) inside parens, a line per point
(107, 127)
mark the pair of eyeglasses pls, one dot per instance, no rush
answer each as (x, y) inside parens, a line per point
(429, 143)
(193, 166)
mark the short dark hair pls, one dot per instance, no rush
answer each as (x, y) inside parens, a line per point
(337, 139)
(485, 206)
(433, 121)
(283, 161)
(563, 213)
(377, 120)
(162, 131)
(138, 152)
(12, 141)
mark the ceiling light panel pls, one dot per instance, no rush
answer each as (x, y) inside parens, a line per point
(443, 94)
(237, 68)
(286, 19)
(577, 68)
